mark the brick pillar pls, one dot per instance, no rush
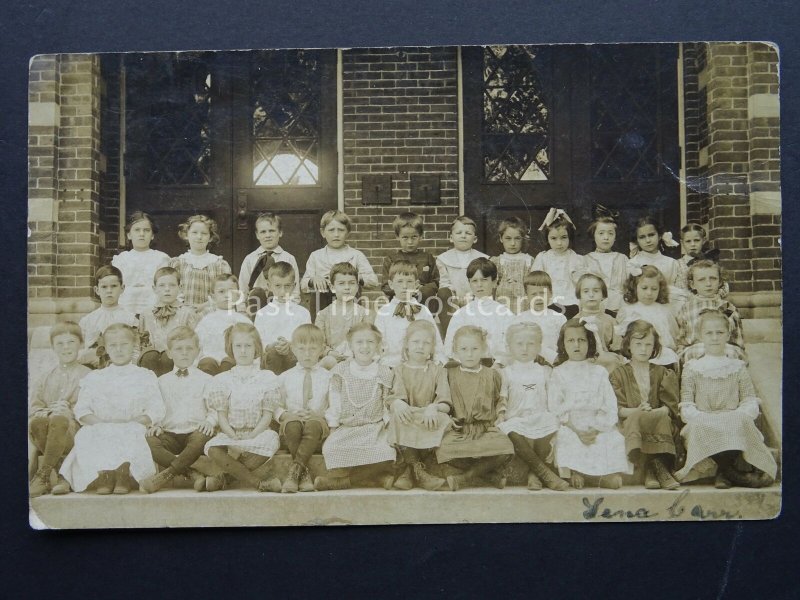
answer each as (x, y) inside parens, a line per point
(763, 113)
(43, 125)
(63, 188)
(742, 167)
(400, 110)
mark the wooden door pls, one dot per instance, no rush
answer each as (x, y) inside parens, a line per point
(577, 126)
(284, 146)
(231, 135)
(177, 150)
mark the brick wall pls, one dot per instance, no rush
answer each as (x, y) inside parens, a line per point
(65, 178)
(733, 160)
(43, 96)
(400, 117)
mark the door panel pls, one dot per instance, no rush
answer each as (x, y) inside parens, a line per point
(284, 146)
(195, 121)
(612, 135)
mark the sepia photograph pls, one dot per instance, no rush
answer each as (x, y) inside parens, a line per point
(406, 285)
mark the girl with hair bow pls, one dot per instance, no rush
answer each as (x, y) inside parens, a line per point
(561, 262)
(649, 240)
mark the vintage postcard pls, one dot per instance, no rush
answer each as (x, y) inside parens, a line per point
(508, 283)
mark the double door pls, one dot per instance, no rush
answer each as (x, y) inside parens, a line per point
(231, 135)
(570, 127)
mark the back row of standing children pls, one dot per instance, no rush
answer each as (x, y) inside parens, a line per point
(560, 267)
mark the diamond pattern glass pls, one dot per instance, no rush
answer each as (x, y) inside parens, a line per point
(285, 101)
(168, 131)
(624, 113)
(515, 138)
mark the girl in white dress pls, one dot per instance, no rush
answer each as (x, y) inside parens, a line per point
(358, 392)
(139, 265)
(244, 399)
(527, 421)
(646, 250)
(513, 264)
(647, 298)
(115, 407)
(561, 262)
(580, 394)
(613, 265)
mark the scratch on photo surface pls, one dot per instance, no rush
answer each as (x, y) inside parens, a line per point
(35, 522)
(726, 574)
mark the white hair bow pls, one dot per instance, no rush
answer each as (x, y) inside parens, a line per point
(591, 324)
(668, 241)
(634, 270)
(552, 215)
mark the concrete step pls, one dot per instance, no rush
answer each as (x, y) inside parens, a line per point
(240, 508)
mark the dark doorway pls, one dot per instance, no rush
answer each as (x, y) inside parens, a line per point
(570, 126)
(230, 135)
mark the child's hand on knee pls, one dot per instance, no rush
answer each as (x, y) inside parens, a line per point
(402, 411)
(206, 429)
(154, 431)
(430, 416)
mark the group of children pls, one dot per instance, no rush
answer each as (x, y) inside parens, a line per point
(583, 366)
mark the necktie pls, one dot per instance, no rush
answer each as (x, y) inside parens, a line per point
(406, 310)
(262, 264)
(164, 313)
(307, 388)
(182, 372)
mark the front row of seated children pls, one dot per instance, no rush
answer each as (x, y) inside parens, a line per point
(403, 427)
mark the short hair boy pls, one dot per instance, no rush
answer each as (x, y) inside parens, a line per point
(408, 228)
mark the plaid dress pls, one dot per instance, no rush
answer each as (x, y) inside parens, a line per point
(357, 411)
(512, 266)
(689, 327)
(247, 393)
(198, 274)
(719, 406)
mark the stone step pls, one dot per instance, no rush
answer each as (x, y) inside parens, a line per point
(237, 508)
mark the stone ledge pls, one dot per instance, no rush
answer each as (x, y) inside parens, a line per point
(244, 508)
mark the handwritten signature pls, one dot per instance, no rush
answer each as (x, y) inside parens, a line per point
(597, 509)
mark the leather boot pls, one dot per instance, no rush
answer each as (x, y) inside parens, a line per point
(157, 481)
(425, 480)
(40, 484)
(292, 482)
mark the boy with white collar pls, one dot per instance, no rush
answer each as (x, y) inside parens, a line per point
(253, 274)
(277, 320)
(393, 318)
(482, 311)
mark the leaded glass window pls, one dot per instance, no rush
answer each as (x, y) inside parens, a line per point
(285, 126)
(516, 136)
(624, 113)
(168, 121)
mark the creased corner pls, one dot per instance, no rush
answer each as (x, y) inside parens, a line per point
(35, 522)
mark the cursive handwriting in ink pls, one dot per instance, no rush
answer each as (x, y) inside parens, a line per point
(593, 511)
